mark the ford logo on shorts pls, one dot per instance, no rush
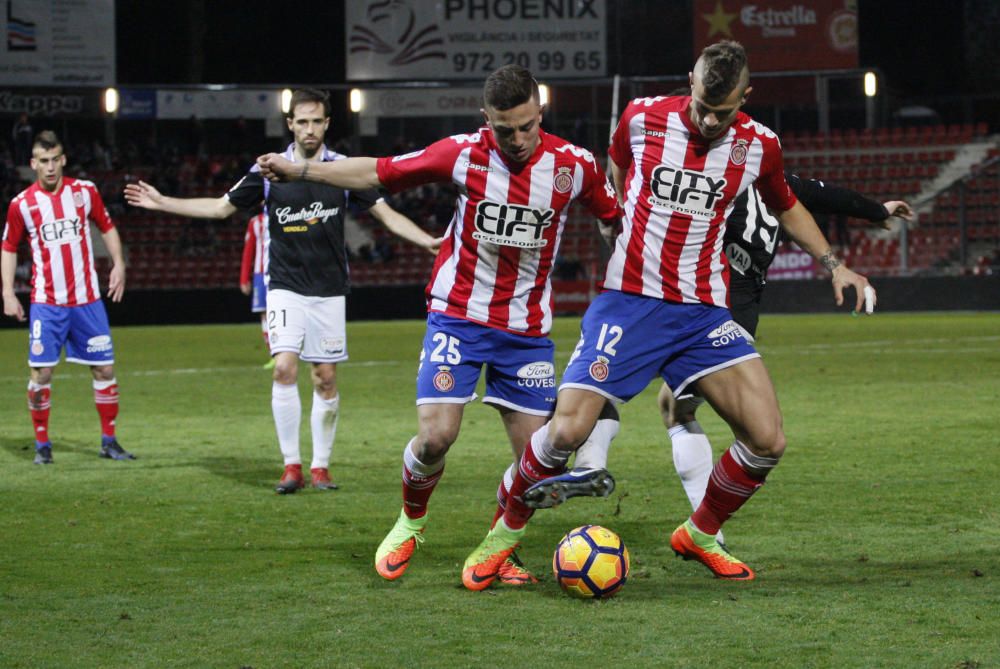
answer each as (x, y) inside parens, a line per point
(99, 343)
(536, 370)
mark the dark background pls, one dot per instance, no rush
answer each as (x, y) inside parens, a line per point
(923, 47)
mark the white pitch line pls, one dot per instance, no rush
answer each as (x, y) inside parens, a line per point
(204, 370)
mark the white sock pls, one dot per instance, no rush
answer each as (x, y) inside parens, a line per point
(287, 410)
(323, 422)
(693, 461)
(416, 466)
(547, 454)
(593, 454)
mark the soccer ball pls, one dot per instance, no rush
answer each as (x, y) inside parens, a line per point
(591, 562)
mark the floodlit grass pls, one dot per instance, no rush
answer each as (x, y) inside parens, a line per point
(875, 540)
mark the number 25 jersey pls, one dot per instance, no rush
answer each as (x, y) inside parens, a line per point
(494, 265)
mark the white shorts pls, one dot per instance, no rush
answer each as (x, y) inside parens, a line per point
(311, 327)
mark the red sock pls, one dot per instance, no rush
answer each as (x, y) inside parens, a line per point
(729, 487)
(417, 489)
(106, 399)
(529, 472)
(39, 402)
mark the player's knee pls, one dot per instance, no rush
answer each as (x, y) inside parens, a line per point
(568, 433)
(285, 373)
(768, 440)
(683, 410)
(431, 445)
(103, 372)
(41, 375)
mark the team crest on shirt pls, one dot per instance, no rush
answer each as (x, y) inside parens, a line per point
(77, 199)
(563, 181)
(599, 369)
(37, 348)
(444, 380)
(738, 154)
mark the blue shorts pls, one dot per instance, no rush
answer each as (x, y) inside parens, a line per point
(520, 372)
(258, 302)
(626, 340)
(84, 330)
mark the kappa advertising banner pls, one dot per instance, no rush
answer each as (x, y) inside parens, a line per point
(468, 39)
(782, 34)
(50, 102)
(58, 43)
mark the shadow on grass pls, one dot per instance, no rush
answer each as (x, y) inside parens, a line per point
(23, 448)
(254, 472)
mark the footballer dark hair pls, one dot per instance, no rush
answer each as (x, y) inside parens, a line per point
(306, 95)
(47, 140)
(508, 87)
(723, 64)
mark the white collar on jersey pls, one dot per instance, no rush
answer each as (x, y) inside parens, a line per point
(327, 154)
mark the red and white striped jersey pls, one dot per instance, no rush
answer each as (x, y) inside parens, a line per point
(254, 249)
(58, 229)
(493, 267)
(679, 189)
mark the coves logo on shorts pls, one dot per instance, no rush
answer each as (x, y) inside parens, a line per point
(727, 333)
(540, 374)
(99, 344)
(512, 224)
(685, 191)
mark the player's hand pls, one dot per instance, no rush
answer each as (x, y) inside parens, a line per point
(843, 277)
(246, 288)
(435, 245)
(143, 195)
(12, 307)
(116, 283)
(899, 208)
(276, 168)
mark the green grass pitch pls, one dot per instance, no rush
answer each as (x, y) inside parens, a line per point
(875, 540)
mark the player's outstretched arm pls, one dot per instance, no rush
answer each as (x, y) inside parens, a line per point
(799, 224)
(351, 173)
(146, 196)
(11, 305)
(401, 226)
(116, 279)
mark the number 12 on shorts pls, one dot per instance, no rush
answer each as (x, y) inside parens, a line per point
(609, 337)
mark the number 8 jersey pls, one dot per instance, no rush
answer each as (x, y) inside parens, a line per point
(58, 229)
(494, 265)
